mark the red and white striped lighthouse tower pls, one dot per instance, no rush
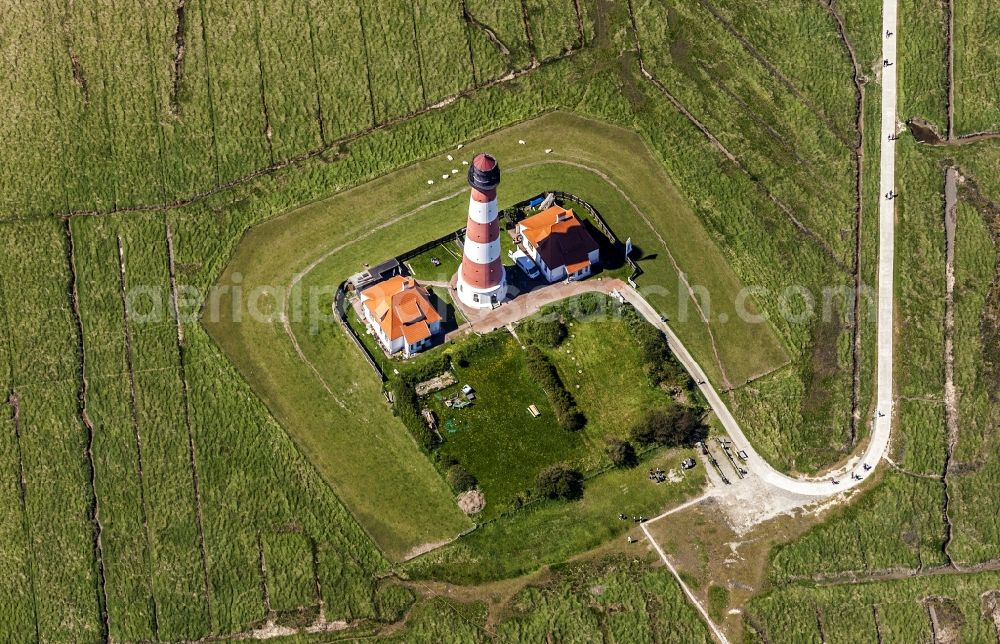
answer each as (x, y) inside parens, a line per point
(482, 281)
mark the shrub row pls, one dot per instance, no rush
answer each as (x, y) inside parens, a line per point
(559, 481)
(407, 407)
(658, 360)
(545, 332)
(542, 371)
(671, 427)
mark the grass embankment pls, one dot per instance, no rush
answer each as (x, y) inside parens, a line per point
(548, 532)
(615, 598)
(356, 443)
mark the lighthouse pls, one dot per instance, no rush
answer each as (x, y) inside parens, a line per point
(482, 282)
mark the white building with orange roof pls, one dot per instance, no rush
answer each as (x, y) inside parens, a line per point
(400, 313)
(558, 242)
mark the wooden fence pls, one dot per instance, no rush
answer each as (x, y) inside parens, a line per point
(340, 309)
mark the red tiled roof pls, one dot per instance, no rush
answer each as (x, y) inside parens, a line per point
(560, 238)
(401, 308)
(416, 332)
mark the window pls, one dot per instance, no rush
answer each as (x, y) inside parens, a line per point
(475, 297)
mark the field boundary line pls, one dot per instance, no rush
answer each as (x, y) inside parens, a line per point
(192, 452)
(857, 577)
(134, 413)
(527, 33)
(268, 131)
(368, 65)
(951, 413)
(262, 571)
(179, 50)
(95, 509)
(316, 75)
(467, 30)
(949, 43)
(15, 412)
(878, 623)
(714, 141)
(857, 152)
(304, 156)
(154, 88)
(491, 35)
(208, 90)
(420, 56)
(579, 22)
(773, 69)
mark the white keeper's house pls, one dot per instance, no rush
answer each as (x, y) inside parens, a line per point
(558, 242)
(401, 315)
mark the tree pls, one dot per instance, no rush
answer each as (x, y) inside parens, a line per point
(460, 478)
(559, 481)
(621, 453)
(548, 333)
(670, 427)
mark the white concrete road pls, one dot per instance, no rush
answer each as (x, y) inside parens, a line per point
(882, 423)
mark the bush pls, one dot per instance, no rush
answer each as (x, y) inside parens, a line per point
(460, 479)
(547, 333)
(621, 453)
(407, 407)
(658, 360)
(559, 482)
(425, 367)
(542, 371)
(671, 427)
(391, 601)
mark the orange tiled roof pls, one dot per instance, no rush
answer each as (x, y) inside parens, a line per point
(560, 238)
(401, 308)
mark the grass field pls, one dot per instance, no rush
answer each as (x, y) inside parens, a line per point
(613, 598)
(899, 524)
(977, 56)
(550, 532)
(859, 537)
(896, 611)
(449, 257)
(183, 463)
(498, 441)
(118, 120)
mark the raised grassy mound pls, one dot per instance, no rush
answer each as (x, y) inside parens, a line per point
(316, 382)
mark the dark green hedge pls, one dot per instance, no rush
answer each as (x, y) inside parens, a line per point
(541, 370)
(407, 407)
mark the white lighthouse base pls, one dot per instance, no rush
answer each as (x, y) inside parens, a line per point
(481, 298)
